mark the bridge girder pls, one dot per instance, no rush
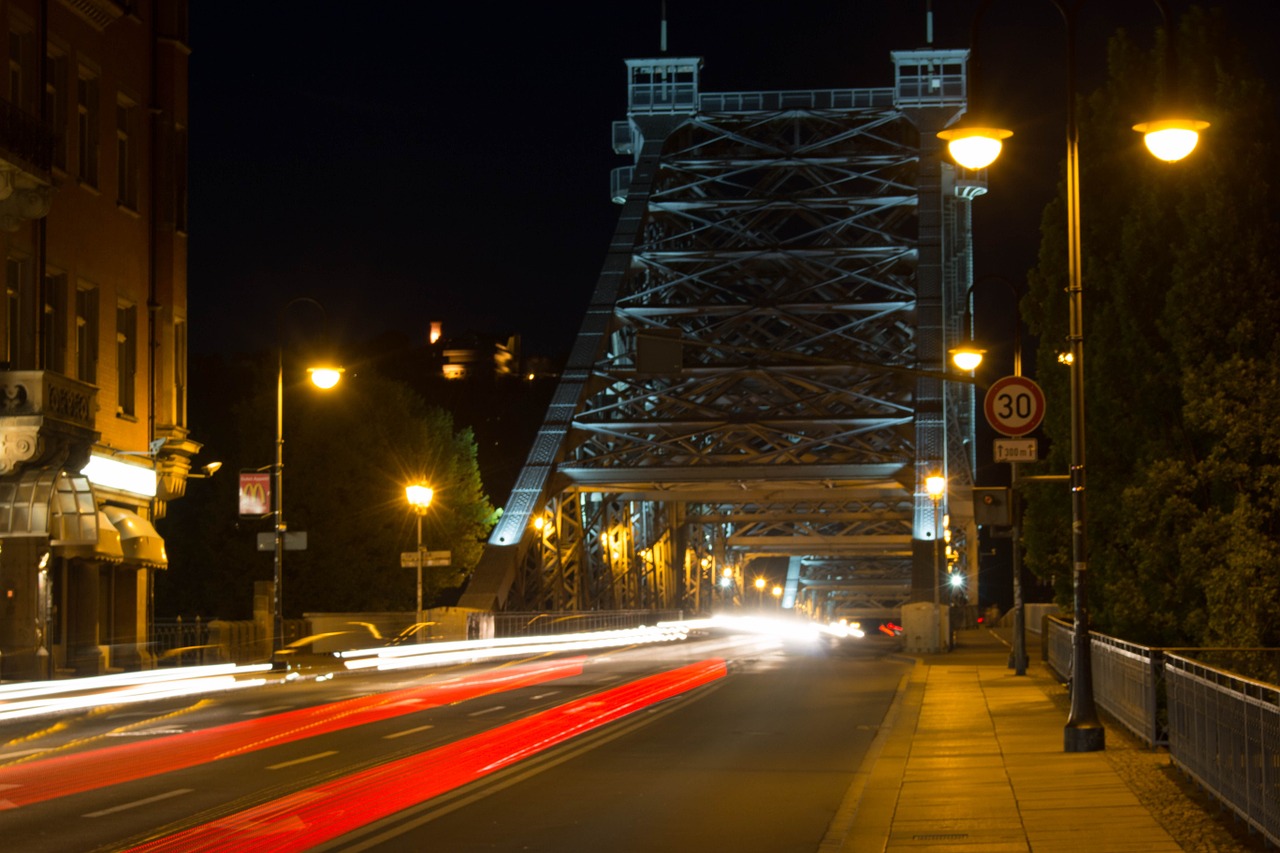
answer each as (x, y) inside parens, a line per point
(747, 380)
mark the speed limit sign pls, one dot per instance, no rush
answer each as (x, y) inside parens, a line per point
(1014, 405)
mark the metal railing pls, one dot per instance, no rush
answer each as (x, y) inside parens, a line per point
(1224, 732)
(1127, 679)
(1222, 729)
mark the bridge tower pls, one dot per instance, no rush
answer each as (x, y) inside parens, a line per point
(760, 371)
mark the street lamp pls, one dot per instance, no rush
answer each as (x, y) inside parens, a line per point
(760, 583)
(323, 377)
(936, 486)
(419, 496)
(967, 357)
(1169, 139)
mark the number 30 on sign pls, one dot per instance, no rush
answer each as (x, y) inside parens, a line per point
(1014, 405)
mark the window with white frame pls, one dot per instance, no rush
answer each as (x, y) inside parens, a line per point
(87, 140)
(55, 104)
(87, 333)
(126, 358)
(53, 326)
(126, 153)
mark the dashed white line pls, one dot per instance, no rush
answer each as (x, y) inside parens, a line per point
(260, 711)
(395, 735)
(487, 711)
(314, 757)
(136, 803)
(545, 695)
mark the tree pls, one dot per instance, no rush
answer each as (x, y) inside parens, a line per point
(348, 455)
(1182, 313)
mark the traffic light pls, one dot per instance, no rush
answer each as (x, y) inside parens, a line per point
(991, 506)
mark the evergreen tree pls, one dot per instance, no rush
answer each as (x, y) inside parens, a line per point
(1182, 362)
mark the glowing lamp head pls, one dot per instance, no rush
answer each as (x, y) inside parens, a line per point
(967, 358)
(324, 377)
(419, 496)
(1171, 139)
(935, 486)
(975, 147)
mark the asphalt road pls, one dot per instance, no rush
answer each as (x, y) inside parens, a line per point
(756, 763)
(758, 759)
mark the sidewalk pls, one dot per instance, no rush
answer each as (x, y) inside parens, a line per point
(971, 758)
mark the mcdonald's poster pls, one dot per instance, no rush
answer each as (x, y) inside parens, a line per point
(255, 493)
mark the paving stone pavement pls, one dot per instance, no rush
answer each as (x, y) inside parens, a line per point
(970, 759)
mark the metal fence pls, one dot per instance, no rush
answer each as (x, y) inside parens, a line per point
(1127, 679)
(181, 642)
(1224, 732)
(531, 624)
(1222, 729)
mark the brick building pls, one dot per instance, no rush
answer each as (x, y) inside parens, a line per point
(93, 429)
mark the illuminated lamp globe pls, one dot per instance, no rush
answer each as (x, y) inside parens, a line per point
(975, 147)
(1171, 139)
(935, 486)
(967, 358)
(324, 377)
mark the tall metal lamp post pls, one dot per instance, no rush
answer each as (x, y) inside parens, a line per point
(976, 146)
(968, 357)
(936, 487)
(323, 377)
(419, 496)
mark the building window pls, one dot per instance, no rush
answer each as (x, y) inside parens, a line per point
(53, 330)
(126, 154)
(21, 72)
(14, 285)
(87, 334)
(87, 127)
(180, 373)
(126, 357)
(55, 105)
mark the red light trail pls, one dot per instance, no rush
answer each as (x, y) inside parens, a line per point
(45, 779)
(300, 821)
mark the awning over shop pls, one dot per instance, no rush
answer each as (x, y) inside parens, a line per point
(138, 539)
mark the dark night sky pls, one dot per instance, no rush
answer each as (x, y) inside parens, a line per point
(453, 163)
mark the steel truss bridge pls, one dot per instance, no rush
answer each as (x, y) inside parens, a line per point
(760, 374)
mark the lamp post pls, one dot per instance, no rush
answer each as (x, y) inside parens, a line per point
(419, 496)
(1169, 139)
(323, 377)
(936, 487)
(968, 357)
(760, 583)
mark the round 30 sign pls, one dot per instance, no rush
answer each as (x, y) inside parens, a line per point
(1014, 405)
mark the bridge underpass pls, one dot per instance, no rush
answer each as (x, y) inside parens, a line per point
(761, 370)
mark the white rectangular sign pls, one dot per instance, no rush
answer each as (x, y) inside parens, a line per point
(409, 559)
(1016, 450)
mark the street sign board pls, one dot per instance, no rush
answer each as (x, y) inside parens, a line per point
(1014, 406)
(294, 540)
(1016, 450)
(255, 493)
(409, 559)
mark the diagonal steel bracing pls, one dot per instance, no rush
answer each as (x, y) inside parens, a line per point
(759, 372)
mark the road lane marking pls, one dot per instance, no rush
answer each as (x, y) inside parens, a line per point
(545, 695)
(315, 757)
(133, 805)
(260, 711)
(487, 711)
(394, 735)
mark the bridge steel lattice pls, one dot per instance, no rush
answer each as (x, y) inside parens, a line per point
(760, 372)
